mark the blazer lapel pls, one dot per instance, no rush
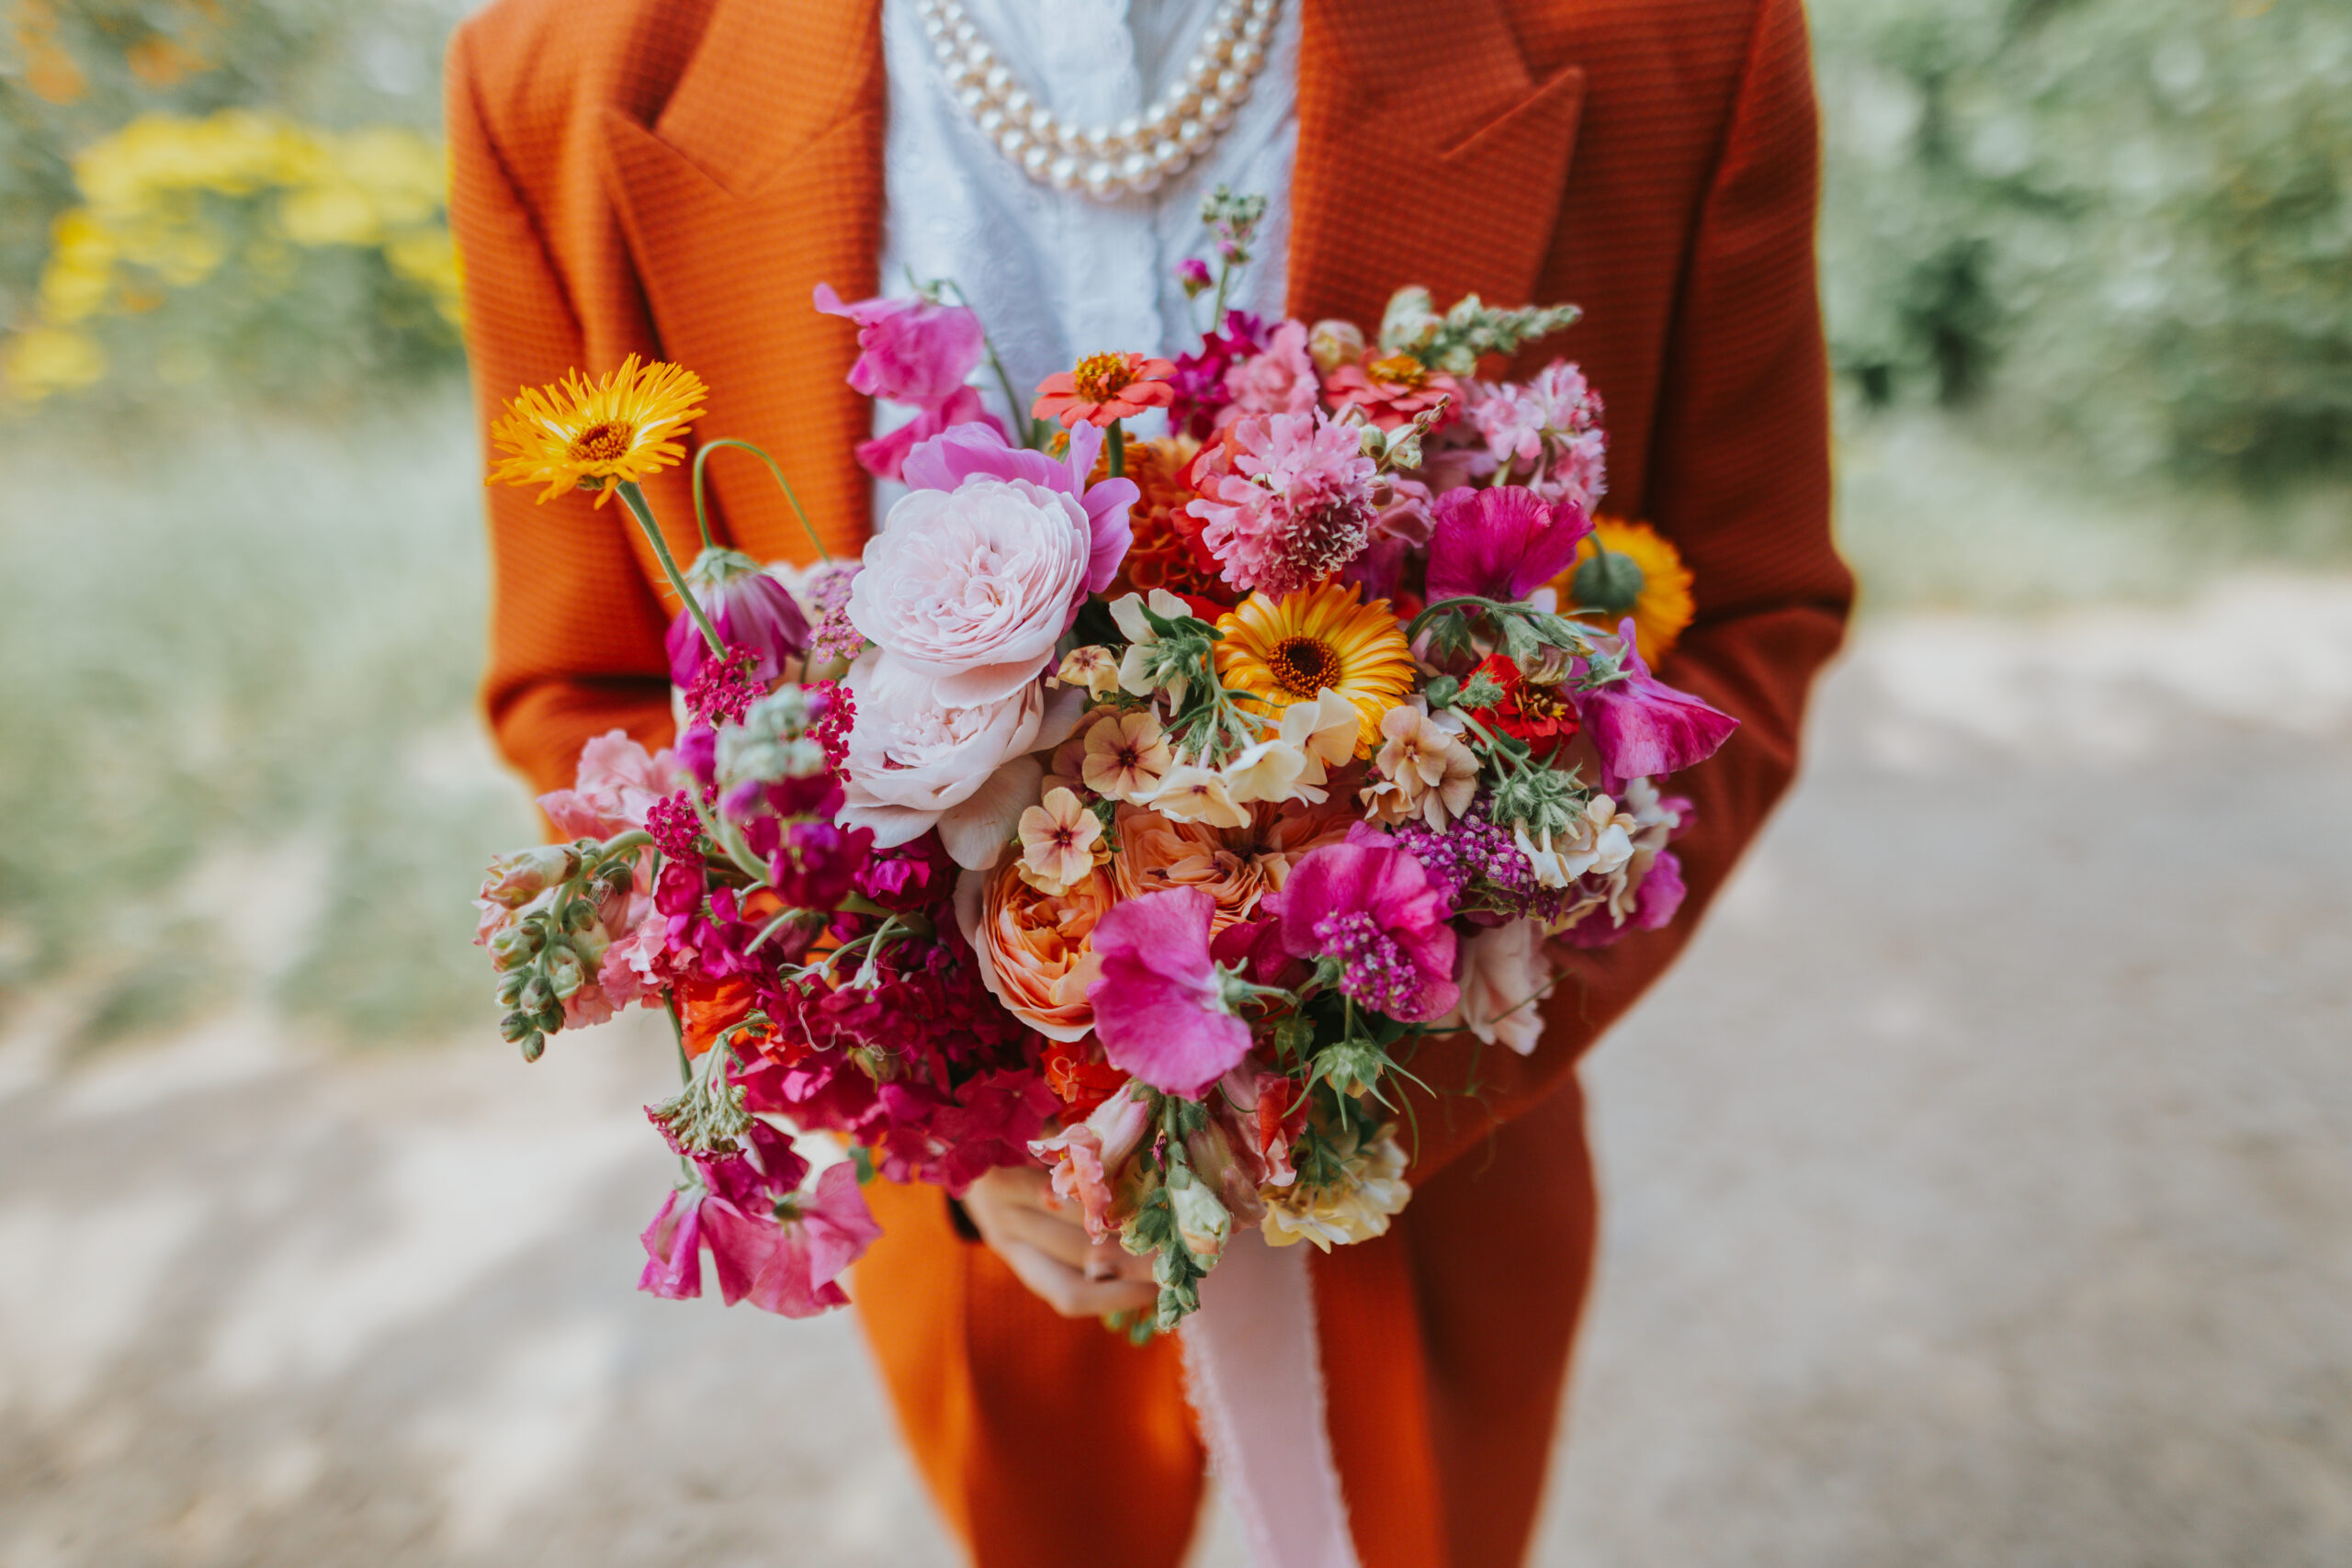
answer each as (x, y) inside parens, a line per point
(1427, 153)
(759, 178)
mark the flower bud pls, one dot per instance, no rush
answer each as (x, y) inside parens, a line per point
(1609, 582)
(564, 973)
(514, 945)
(579, 917)
(1204, 1224)
(510, 988)
(534, 1046)
(1193, 273)
(1334, 343)
(515, 880)
(618, 877)
(514, 1027)
(535, 995)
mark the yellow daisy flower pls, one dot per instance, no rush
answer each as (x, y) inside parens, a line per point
(1286, 650)
(617, 430)
(1644, 578)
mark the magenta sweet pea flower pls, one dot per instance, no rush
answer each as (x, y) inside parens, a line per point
(885, 457)
(910, 350)
(747, 609)
(1370, 905)
(949, 458)
(769, 1244)
(1159, 1009)
(1502, 543)
(1643, 727)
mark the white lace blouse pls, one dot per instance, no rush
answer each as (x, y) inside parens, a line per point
(1057, 275)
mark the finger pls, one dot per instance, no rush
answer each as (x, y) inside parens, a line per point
(1070, 1293)
(1063, 1241)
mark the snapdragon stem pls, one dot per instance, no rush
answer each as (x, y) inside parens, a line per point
(634, 499)
(1116, 439)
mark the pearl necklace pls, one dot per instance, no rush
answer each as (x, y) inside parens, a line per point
(1138, 153)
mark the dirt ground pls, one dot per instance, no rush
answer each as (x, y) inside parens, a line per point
(1979, 1191)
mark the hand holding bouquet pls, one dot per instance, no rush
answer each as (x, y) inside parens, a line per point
(1132, 806)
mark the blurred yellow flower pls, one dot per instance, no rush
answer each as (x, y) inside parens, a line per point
(1644, 578)
(42, 360)
(617, 430)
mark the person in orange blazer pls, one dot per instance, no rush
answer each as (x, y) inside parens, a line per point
(673, 178)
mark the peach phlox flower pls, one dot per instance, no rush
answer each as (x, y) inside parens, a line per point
(1061, 840)
(1105, 387)
(1191, 792)
(1127, 753)
(1426, 771)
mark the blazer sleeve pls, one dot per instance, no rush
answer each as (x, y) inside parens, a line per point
(1741, 484)
(575, 630)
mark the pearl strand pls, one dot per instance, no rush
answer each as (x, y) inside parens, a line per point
(1134, 156)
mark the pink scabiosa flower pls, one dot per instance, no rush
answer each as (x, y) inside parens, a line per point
(1643, 728)
(1295, 506)
(1158, 1008)
(746, 607)
(1501, 544)
(910, 350)
(1369, 905)
(1279, 379)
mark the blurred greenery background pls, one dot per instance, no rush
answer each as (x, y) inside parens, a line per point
(2088, 272)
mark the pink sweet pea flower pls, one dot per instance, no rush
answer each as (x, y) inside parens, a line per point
(1656, 902)
(780, 1250)
(1643, 728)
(1370, 905)
(911, 350)
(945, 462)
(885, 457)
(1159, 1009)
(1501, 544)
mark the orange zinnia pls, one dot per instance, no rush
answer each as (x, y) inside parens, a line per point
(1105, 387)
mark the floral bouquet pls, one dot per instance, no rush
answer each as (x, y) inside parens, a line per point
(1137, 807)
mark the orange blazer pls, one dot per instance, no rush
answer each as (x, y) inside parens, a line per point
(673, 178)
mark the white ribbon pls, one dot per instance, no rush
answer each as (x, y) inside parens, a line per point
(1256, 1376)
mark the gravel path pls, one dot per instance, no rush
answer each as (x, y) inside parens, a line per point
(1979, 1192)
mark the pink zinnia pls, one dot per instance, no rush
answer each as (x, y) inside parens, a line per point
(1370, 905)
(1296, 507)
(1158, 1008)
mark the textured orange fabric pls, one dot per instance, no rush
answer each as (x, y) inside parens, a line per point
(673, 178)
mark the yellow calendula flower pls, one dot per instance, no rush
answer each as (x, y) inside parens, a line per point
(615, 431)
(1642, 576)
(1286, 650)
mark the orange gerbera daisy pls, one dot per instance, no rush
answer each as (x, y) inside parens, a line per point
(1625, 569)
(1105, 387)
(1286, 650)
(581, 435)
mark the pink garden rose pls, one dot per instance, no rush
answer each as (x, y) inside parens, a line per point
(975, 448)
(968, 590)
(1159, 1010)
(912, 761)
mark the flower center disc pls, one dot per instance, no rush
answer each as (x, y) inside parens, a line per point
(1400, 370)
(601, 443)
(1304, 665)
(1099, 376)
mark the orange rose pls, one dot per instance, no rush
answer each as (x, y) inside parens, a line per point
(1235, 866)
(1033, 947)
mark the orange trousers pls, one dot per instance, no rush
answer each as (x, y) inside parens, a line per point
(1049, 1443)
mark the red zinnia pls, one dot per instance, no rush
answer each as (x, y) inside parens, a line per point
(1105, 387)
(1539, 715)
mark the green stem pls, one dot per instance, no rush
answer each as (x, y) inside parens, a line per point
(702, 519)
(678, 1034)
(634, 499)
(1020, 420)
(1116, 436)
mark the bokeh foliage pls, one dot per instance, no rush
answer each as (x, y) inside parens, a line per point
(222, 195)
(2119, 227)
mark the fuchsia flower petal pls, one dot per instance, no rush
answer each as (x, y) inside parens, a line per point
(752, 610)
(1371, 905)
(885, 457)
(1502, 543)
(1643, 727)
(674, 1251)
(1158, 1008)
(910, 350)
